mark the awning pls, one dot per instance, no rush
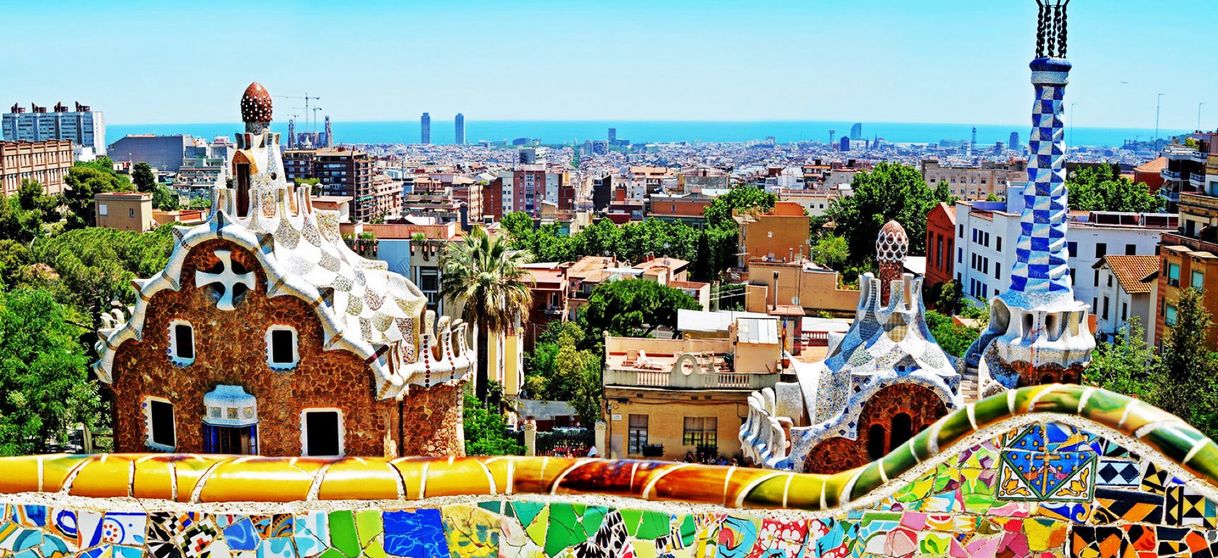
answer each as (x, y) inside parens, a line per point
(230, 406)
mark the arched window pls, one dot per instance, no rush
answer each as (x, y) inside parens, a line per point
(901, 431)
(875, 441)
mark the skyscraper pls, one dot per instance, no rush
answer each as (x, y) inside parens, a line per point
(612, 136)
(329, 141)
(425, 129)
(84, 127)
(1038, 332)
(856, 131)
(1013, 145)
(459, 131)
(973, 142)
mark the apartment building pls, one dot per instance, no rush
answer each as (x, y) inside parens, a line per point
(975, 182)
(1187, 255)
(83, 127)
(45, 161)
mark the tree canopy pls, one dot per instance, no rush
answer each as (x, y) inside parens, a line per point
(1101, 188)
(719, 212)
(86, 180)
(24, 217)
(485, 430)
(633, 308)
(888, 191)
(560, 370)
(44, 378)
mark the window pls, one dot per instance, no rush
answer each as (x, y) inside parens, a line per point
(103, 209)
(160, 424)
(1124, 311)
(181, 342)
(1173, 275)
(701, 432)
(637, 434)
(998, 272)
(1169, 315)
(1104, 314)
(1097, 278)
(1073, 248)
(1100, 250)
(131, 212)
(1131, 249)
(961, 233)
(321, 432)
(998, 243)
(960, 255)
(1197, 281)
(281, 350)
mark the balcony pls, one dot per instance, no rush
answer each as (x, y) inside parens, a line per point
(666, 379)
(1197, 180)
(1170, 174)
(1199, 157)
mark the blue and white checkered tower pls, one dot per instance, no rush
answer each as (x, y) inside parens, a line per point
(1041, 271)
(1038, 332)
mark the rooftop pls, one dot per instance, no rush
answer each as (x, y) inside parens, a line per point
(1132, 272)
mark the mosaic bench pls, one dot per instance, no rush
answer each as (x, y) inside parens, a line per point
(1042, 471)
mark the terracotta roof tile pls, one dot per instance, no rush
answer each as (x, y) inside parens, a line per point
(1131, 270)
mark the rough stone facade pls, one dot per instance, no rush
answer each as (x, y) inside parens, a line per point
(920, 404)
(432, 420)
(230, 348)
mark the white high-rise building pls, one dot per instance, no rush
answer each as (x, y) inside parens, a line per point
(84, 127)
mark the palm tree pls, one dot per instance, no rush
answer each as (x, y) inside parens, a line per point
(487, 277)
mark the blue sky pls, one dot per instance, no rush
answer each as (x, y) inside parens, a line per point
(957, 61)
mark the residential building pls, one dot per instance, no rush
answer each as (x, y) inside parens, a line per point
(940, 244)
(459, 131)
(126, 211)
(986, 251)
(672, 398)
(343, 171)
(551, 291)
(1128, 291)
(425, 129)
(975, 182)
(814, 202)
(687, 208)
(770, 284)
(780, 234)
(1151, 173)
(84, 127)
(163, 153)
(45, 161)
(1187, 256)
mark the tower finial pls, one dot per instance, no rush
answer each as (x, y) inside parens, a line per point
(1051, 28)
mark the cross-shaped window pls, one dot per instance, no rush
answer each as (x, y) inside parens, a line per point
(225, 278)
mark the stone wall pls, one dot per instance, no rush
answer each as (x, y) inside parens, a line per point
(230, 348)
(431, 421)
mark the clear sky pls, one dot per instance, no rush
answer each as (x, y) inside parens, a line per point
(955, 61)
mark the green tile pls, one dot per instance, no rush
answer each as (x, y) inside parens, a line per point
(342, 533)
(688, 530)
(654, 525)
(631, 518)
(368, 523)
(332, 553)
(565, 530)
(495, 506)
(526, 511)
(592, 518)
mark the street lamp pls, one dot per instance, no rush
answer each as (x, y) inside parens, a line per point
(1158, 105)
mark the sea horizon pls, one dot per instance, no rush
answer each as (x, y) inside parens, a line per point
(559, 132)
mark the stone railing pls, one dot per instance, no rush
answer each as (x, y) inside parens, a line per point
(695, 380)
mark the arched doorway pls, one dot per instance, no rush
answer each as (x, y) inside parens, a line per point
(896, 413)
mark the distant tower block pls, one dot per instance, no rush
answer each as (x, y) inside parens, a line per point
(425, 129)
(329, 133)
(459, 129)
(831, 134)
(1014, 143)
(973, 143)
(856, 131)
(612, 136)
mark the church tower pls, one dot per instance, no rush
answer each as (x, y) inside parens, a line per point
(1038, 332)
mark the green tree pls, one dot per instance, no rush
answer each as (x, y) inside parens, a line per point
(888, 191)
(950, 299)
(486, 277)
(1127, 365)
(1101, 188)
(143, 177)
(1190, 367)
(165, 198)
(86, 180)
(633, 308)
(719, 212)
(13, 256)
(952, 337)
(24, 217)
(44, 376)
(96, 265)
(485, 430)
(560, 370)
(831, 251)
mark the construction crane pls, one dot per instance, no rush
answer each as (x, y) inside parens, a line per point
(306, 98)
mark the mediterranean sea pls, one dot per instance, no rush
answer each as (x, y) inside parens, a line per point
(554, 132)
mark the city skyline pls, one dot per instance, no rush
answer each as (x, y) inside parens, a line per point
(724, 62)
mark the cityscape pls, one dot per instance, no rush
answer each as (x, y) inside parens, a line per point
(626, 318)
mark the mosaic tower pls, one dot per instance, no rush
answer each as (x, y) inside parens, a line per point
(1038, 332)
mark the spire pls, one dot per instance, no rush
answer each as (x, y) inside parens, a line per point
(1051, 28)
(256, 108)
